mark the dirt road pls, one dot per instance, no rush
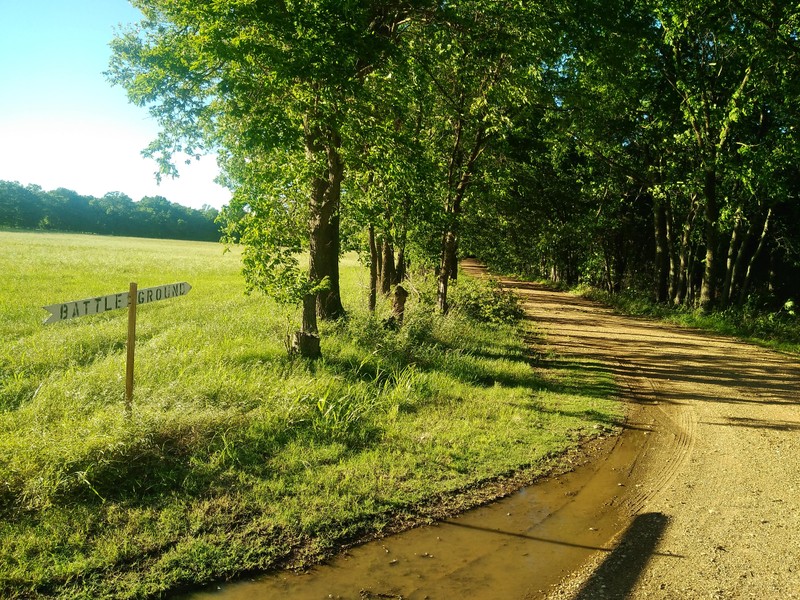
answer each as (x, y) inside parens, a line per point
(698, 498)
(714, 497)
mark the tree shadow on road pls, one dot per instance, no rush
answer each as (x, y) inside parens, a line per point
(619, 572)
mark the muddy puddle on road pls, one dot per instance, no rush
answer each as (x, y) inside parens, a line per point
(514, 548)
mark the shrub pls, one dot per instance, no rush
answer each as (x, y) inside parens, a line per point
(486, 301)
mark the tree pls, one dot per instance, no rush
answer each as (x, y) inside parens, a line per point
(728, 79)
(20, 207)
(684, 110)
(114, 214)
(391, 172)
(262, 80)
(479, 64)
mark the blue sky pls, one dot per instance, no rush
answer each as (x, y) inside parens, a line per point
(61, 122)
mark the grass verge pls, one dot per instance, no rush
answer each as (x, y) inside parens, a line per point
(237, 458)
(779, 330)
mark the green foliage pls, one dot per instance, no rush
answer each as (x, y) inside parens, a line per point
(662, 156)
(409, 102)
(235, 457)
(278, 90)
(486, 301)
(114, 214)
(267, 218)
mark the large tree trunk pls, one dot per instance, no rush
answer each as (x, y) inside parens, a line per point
(400, 267)
(748, 275)
(662, 258)
(608, 269)
(379, 260)
(399, 304)
(740, 264)
(306, 341)
(684, 257)
(401, 239)
(387, 271)
(449, 261)
(708, 292)
(672, 249)
(448, 267)
(453, 262)
(692, 280)
(730, 263)
(324, 231)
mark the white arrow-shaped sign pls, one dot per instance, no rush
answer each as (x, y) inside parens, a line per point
(100, 304)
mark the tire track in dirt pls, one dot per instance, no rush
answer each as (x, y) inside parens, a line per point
(674, 428)
(715, 505)
(577, 327)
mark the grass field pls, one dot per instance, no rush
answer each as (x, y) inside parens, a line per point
(236, 457)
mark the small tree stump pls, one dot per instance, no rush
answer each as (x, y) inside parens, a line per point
(306, 345)
(399, 304)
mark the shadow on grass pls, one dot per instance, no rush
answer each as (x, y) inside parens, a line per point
(591, 379)
(589, 415)
(195, 459)
(464, 367)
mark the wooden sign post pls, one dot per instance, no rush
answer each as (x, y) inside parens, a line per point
(131, 347)
(130, 300)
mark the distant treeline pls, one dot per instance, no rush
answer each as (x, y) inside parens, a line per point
(30, 207)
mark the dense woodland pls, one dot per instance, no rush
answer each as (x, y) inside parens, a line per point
(30, 207)
(669, 162)
(631, 144)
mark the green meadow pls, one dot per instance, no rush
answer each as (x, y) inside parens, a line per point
(237, 457)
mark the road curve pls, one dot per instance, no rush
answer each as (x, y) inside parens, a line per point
(698, 498)
(714, 499)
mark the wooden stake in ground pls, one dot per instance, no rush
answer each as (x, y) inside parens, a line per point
(131, 348)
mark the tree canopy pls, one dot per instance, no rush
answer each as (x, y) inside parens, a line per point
(666, 160)
(627, 144)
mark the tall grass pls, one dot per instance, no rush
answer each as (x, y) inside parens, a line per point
(237, 457)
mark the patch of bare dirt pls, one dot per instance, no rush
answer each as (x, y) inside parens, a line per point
(714, 498)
